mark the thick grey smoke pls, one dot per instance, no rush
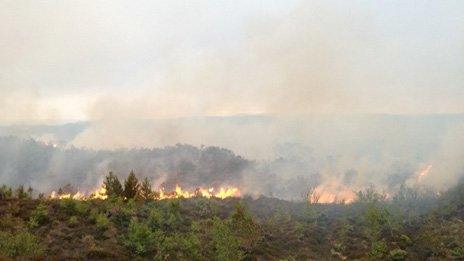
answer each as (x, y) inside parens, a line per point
(327, 76)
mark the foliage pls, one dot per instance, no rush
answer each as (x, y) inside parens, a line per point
(140, 239)
(113, 186)
(22, 244)
(39, 216)
(21, 193)
(5, 192)
(102, 221)
(226, 244)
(145, 189)
(233, 229)
(398, 254)
(131, 186)
(378, 249)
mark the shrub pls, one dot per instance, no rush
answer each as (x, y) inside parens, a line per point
(457, 252)
(69, 205)
(140, 239)
(102, 221)
(405, 240)
(10, 223)
(180, 247)
(22, 244)
(226, 244)
(123, 213)
(378, 249)
(39, 216)
(5, 192)
(21, 192)
(82, 208)
(244, 227)
(73, 220)
(398, 254)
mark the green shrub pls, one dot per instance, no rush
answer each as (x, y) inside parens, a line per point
(82, 208)
(73, 221)
(22, 244)
(122, 213)
(140, 239)
(180, 246)
(155, 219)
(69, 205)
(39, 216)
(457, 252)
(378, 249)
(226, 244)
(398, 254)
(406, 240)
(21, 192)
(102, 221)
(5, 192)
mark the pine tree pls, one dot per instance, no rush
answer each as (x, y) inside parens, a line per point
(145, 189)
(21, 193)
(29, 191)
(131, 186)
(113, 186)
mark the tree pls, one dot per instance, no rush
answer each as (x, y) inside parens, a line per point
(5, 192)
(131, 186)
(145, 189)
(21, 193)
(226, 244)
(244, 227)
(113, 186)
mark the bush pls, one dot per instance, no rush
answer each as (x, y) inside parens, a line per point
(378, 249)
(102, 222)
(226, 244)
(140, 239)
(405, 240)
(73, 221)
(398, 254)
(180, 247)
(21, 192)
(22, 244)
(5, 192)
(39, 216)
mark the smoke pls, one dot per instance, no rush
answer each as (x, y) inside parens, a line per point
(323, 80)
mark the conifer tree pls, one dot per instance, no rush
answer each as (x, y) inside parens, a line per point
(113, 186)
(145, 189)
(131, 186)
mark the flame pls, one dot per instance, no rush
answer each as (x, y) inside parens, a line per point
(223, 192)
(332, 193)
(419, 176)
(99, 194)
(423, 173)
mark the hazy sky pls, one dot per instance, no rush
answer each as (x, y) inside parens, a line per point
(78, 60)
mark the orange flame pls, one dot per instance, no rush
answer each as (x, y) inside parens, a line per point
(332, 193)
(222, 193)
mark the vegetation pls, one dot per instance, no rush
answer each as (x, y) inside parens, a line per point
(129, 225)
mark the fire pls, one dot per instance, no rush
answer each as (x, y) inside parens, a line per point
(332, 193)
(99, 194)
(222, 193)
(424, 173)
(419, 176)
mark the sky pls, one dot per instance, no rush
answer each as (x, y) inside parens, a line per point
(93, 60)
